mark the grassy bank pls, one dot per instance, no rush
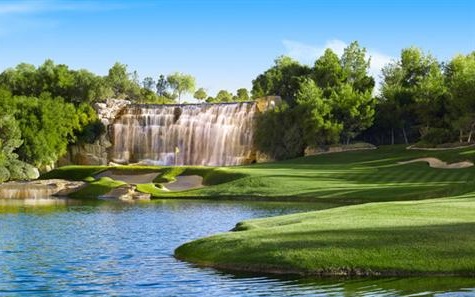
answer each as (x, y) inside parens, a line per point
(420, 220)
(431, 237)
(412, 219)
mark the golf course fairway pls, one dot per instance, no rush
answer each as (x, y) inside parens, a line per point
(413, 220)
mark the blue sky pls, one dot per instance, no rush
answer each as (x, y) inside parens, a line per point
(225, 44)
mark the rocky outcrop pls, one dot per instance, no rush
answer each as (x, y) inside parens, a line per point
(95, 153)
(107, 111)
(262, 157)
(125, 193)
(268, 102)
(87, 153)
(38, 188)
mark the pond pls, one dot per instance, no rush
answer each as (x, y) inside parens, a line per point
(52, 247)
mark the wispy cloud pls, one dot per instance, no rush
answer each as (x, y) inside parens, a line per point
(22, 16)
(12, 8)
(307, 54)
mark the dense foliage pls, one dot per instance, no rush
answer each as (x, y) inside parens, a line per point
(328, 103)
(420, 100)
(424, 100)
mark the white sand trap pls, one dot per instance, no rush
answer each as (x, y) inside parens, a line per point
(436, 163)
(131, 178)
(185, 182)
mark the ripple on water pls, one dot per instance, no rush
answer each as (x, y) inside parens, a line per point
(100, 249)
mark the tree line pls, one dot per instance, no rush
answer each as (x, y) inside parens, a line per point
(420, 100)
(44, 109)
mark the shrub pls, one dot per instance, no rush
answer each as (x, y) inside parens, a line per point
(436, 136)
(4, 174)
(21, 171)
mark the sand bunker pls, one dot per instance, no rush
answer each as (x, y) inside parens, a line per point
(185, 182)
(130, 178)
(436, 163)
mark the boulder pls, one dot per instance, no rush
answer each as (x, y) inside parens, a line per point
(109, 110)
(38, 188)
(125, 193)
(268, 102)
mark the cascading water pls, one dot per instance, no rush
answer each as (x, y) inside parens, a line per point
(199, 134)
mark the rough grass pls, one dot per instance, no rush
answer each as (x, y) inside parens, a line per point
(434, 237)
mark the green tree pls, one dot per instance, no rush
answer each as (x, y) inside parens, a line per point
(149, 83)
(283, 79)
(21, 80)
(353, 109)
(181, 83)
(460, 78)
(88, 87)
(278, 133)
(242, 94)
(355, 68)
(316, 115)
(162, 85)
(327, 72)
(123, 84)
(211, 99)
(200, 94)
(415, 88)
(223, 96)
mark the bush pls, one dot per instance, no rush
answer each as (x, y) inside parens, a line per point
(21, 171)
(436, 136)
(4, 174)
(91, 132)
(278, 134)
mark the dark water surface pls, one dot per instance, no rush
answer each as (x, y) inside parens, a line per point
(66, 248)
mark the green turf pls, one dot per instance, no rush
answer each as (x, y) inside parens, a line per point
(421, 219)
(351, 177)
(96, 188)
(434, 236)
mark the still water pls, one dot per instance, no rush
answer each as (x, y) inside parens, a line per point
(68, 248)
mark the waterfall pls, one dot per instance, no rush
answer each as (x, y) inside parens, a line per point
(195, 134)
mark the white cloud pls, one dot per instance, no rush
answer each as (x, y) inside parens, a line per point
(378, 61)
(19, 7)
(22, 16)
(307, 54)
(43, 6)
